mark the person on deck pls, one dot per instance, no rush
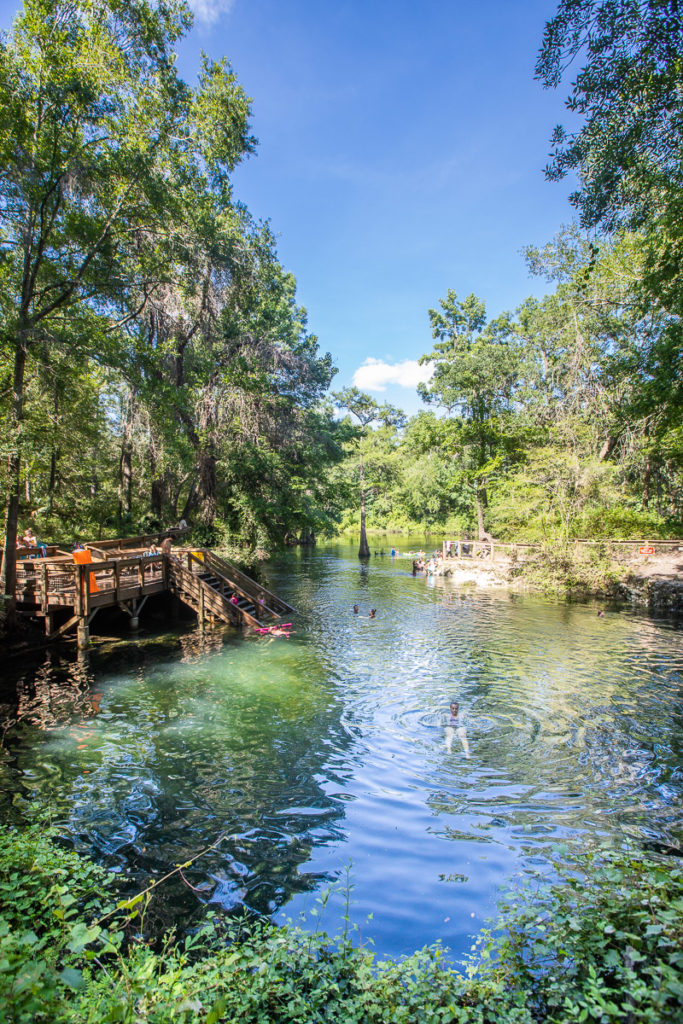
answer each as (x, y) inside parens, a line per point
(454, 722)
(166, 546)
(32, 542)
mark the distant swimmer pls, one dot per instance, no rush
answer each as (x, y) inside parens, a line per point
(601, 614)
(372, 613)
(355, 609)
(454, 722)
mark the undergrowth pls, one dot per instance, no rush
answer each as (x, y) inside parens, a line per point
(603, 943)
(559, 570)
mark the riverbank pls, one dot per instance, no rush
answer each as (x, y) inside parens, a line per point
(70, 954)
(654, 584)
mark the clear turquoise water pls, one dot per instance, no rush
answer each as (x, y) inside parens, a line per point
(328, 749)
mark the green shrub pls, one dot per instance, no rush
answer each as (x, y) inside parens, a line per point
(622, 522)
(602, 943)
(47, 894)
(559, 569)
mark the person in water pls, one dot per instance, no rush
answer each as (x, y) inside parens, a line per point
(454, 722)
(372, 613)
(355, 609)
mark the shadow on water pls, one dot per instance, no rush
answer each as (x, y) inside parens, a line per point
(148, 752)
(330, 747)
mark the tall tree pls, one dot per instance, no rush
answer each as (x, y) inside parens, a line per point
(366, 411)
(476, 368)
(87, 96)
(93, 121)
(629, 97)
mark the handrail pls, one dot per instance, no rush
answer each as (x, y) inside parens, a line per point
(193, 584)
(212, 557)
(204, 564)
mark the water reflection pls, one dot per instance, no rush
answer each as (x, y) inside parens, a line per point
(331, 746)
(159, 760)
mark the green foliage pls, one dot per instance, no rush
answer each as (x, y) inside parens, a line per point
(46, 897)
(562, 570)
(601, 942)
(629, 96)
(155, 362)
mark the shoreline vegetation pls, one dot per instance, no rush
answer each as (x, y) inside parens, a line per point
(598, 940)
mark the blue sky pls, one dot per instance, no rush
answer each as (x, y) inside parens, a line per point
(401, 153)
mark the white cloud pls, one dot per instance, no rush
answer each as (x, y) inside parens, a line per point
(374, 374)
(209, 11)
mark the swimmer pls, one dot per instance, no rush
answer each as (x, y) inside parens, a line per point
(455, 726)
(355, 609)
(372, 613)
(601, 614)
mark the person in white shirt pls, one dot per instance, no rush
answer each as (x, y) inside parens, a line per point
(454, 723)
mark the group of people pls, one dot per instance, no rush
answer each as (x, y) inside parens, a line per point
(434, 565)
(371, 615)
(165, 549)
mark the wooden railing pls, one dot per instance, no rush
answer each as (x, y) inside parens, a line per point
(41, 577)
(48, 584)
(200, 596)
(490, 550)
(260, 596)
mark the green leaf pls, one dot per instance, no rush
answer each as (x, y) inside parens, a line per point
(73, 979)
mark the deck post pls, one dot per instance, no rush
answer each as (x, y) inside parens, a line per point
(83, 632)
(44, 607)
(200, 613)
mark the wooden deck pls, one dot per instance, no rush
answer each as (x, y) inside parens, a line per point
(208, 584)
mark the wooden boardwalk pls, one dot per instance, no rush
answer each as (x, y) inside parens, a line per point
(119, 575)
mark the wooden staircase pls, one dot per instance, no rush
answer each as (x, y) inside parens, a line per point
(214, 588)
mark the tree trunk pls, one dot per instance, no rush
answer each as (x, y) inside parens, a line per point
(55, 453)
(191, 501)
(52, 482)
(8, 573)
(126, 464)
(647, 477)
(480, 499)
(363, 549)
(206, 490)
(158, 485)
(157, 497)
